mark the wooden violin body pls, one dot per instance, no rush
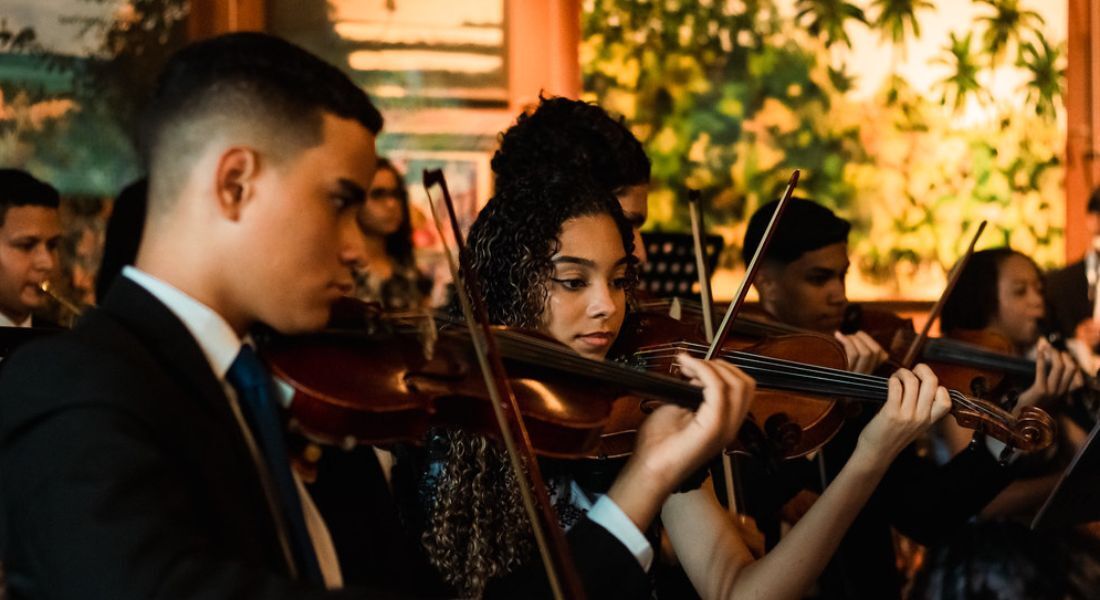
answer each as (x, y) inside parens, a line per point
(809, 370)
(780, 424)
(395, 385)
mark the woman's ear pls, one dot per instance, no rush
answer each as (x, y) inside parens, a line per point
(235, 180)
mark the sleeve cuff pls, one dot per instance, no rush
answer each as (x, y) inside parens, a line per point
(608, 515)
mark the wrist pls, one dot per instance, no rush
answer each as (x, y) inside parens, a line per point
(639, 491)
(869, 461)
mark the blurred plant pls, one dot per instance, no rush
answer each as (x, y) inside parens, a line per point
(728, 97)
(962, 83)
(1046, 75)
(897, 20)
(827, 19)
(1005, 27)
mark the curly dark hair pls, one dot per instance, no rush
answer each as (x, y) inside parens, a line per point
(574, 137)
(476, 528)
(973, 303)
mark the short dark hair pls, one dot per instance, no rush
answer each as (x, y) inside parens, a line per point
(242, 79)
(571, 136)
(123, 236)
(973, 302)
(806, 226)
(20, 188)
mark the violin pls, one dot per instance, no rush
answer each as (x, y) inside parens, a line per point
(400, 376)
(799, 379)
(958, 361)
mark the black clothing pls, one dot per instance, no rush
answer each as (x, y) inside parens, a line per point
(923, 501)
(124, 474)
(124, 471)
(1067, 294)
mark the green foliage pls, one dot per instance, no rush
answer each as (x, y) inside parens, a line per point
(728, 102)
(897, 19)
(962, 83)
(828, 18)
(729, 97)
(1006, 26)
(1045, 75)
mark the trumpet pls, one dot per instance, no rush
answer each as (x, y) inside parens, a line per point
(47, 288)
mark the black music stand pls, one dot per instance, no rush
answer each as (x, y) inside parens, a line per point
(1076, 497)
(670, 263)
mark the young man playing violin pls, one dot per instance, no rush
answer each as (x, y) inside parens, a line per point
(801, 283)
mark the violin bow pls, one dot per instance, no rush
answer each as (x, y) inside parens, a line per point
(695, 207)
(918, 342)
(751, 270)
(556, 558)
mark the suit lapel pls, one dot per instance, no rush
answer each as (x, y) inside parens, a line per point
(172, 345)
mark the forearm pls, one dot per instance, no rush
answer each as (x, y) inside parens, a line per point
(720, 565)
(639, 492)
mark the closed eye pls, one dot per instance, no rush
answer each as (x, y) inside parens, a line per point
(570, 283)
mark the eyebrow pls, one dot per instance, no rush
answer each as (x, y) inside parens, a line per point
(584, 262)
(352, 189)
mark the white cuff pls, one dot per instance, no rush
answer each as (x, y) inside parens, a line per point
(608, 515)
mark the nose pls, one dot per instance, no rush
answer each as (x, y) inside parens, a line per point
(45, 258)
(601, 302)
(837, 292)
(639, 247)
(353, 242)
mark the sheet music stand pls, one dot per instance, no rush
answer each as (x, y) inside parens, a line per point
(670, 264)
(1076, 497)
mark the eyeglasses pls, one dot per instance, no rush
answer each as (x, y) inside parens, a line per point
(384, 194)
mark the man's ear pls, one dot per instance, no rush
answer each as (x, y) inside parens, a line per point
(767, 281)
(235, 183)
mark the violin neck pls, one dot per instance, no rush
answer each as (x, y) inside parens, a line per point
(961, 353)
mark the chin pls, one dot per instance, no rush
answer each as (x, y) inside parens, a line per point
(304, 321)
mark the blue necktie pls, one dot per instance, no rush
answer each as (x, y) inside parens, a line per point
(248, 376)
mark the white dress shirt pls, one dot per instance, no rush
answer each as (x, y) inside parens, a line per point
(7, 322)
(220, 344)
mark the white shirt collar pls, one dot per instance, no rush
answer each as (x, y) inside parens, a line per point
(6, 322)
(219, 343)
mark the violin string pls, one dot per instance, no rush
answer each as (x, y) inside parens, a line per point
(540, 352)
(766, 369)
(866, 386)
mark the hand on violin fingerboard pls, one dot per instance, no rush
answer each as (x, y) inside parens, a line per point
(1056, 374)
(864, 353)
(674, 442)
(915, 402)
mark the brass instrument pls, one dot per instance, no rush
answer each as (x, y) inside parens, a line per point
(47, 288)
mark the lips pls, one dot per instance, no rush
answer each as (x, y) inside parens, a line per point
(598, 339)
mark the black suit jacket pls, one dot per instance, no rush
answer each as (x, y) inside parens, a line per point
(1067, 294)
(123, 473)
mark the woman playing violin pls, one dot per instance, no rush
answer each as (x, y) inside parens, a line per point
(998, 300)
(556, 255)
(1000, 295)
